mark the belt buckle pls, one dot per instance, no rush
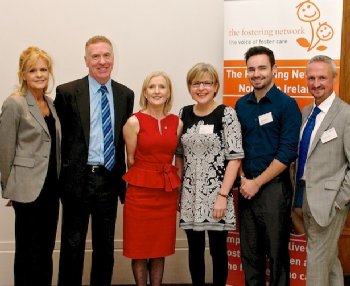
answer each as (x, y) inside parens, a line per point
(94, 169)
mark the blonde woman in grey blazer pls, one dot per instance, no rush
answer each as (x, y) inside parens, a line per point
(30, 136)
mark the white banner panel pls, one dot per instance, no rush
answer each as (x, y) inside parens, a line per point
(294, 30)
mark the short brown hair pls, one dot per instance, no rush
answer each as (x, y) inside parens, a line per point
(198, 71)
(97, 39)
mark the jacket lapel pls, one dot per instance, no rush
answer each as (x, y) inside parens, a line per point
(55, 116)
(34, 110)
(82, 96)
(118, 111)
(306, 114)
(58, 133)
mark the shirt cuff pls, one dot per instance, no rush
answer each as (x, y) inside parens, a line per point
(337, 206)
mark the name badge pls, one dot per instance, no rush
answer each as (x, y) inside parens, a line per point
(265, 118)
(329, 135)
(206, 129)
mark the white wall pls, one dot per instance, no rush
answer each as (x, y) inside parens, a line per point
(169, 35)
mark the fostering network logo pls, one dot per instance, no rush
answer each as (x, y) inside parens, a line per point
(310, 13)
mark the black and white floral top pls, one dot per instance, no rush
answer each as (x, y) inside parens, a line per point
(206, 145)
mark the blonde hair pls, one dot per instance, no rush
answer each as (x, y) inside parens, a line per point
(169, 102)
(27, 60)
(200, 70)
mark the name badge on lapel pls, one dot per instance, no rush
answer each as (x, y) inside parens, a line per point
(265, 118)
(206, 129)
(329, 135)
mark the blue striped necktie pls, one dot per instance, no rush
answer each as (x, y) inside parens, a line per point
(305, 142)
(108, 142)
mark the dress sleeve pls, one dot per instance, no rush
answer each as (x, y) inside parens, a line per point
(232, 135)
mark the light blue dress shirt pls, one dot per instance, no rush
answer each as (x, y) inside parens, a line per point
(96, 156)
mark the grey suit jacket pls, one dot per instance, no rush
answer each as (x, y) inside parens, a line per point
(327, 171)
(25, 145)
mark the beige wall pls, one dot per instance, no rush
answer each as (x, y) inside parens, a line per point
(148, 35)
(169, 35)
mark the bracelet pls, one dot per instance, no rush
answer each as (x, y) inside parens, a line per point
(222, 195)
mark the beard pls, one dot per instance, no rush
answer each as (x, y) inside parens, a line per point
(263, 83)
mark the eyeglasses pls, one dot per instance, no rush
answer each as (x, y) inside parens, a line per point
(206, 84)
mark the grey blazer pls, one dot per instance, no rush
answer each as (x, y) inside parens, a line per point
(25, 145)
(327, 172)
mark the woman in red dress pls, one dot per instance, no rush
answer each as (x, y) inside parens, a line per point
(151, 136)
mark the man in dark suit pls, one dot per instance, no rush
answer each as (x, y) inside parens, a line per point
(323, 175)
(92, 111)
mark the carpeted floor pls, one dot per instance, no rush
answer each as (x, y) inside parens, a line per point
(347, 280)
(346, 283)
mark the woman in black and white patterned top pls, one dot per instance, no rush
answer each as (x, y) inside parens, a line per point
(208, 157)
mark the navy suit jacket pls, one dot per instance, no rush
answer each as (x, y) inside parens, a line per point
(73, 108)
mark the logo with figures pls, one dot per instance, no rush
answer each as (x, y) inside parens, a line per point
(320, 32)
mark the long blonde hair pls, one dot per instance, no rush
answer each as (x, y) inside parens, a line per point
(27, 60)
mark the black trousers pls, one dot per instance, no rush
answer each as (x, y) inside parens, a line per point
(264, 232)
(100, 203)
(218, 252)
(35, 234)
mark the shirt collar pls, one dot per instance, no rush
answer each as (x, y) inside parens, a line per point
(268, 96)
(326, 104)
(95, 86)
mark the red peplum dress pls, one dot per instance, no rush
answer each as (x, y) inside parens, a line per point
(150, 208)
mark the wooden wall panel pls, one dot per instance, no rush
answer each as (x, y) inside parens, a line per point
(344, 87)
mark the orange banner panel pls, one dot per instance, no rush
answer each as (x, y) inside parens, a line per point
(297, 252)
(290, 78)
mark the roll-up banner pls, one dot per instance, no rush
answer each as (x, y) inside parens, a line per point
(295, 31)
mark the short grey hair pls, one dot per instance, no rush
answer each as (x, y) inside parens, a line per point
(324, 59)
